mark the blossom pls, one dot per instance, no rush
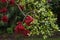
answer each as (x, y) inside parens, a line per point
(28, 20)
(22, 30)
(12, 2)
(3, 10)
(19, 28)
(4, 18)
(3, 1)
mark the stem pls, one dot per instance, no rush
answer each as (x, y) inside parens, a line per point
(21, 10)
(7, 3)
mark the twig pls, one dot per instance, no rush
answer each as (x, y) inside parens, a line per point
(21, 10)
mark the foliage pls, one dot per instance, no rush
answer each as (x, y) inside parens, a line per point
(55, 6)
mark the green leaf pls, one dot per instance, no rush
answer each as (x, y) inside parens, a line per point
(9, 30)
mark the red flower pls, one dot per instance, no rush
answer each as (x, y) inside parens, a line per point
(26, 32)
(12, 2)
(19, 28)
(3, 10)
(4, 19)
(28, 20)
(3, 1)
(22, 7)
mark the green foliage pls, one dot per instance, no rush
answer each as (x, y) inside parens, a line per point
(44, 20)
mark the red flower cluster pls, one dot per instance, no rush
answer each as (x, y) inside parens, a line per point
(3, 1)
(4, 18)
(12, 2)
(28, 20)
(3, 10)
(20, 29)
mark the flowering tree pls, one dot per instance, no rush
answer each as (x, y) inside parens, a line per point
(27, 17)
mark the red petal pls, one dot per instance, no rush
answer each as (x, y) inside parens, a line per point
(28, 20)
(3, 1)
(3, 10)
(12, 2)
(4, 19)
